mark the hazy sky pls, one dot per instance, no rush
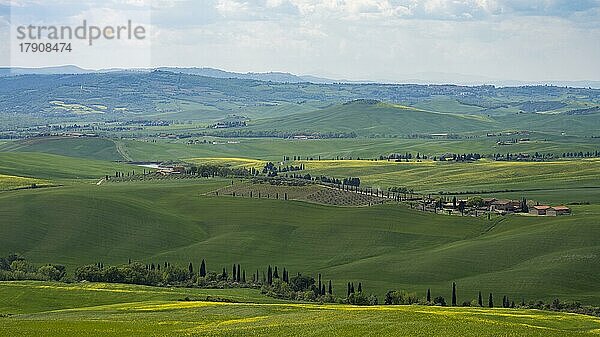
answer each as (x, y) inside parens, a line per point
(345, 39)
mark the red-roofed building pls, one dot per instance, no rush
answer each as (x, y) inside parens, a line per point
(539, 209)
(558, 210)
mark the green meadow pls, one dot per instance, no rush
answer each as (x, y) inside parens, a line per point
(274, 149)
(109, 310)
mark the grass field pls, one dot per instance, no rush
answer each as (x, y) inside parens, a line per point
(49, 166)
(484, 175)
(274, 149)
(93, 148)
(126, 310)
(384, 247)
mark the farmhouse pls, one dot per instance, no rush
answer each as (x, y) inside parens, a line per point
(558, 210)
(505, 205)
(539, 209)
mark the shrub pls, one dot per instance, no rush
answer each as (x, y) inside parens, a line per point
(402, 297)
(51, 272)
(439, 301)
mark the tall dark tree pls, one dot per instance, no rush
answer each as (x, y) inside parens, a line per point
(244, 276)
(203, 269)
(269, 275)
(275, 273)
(190, 269)
(352, 288)
(480, 300)
(224, 274)
(239, 277)
(319, 282)
(491, 301)
(428, 295)
(359, 287)
(348, 290)
(330, 289)
(453, 294)
(234, 276)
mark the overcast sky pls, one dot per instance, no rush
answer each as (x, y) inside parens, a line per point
(344, 39)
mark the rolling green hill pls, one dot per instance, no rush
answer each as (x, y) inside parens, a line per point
(274, 149)
(93, 148)
(483, 175)
(49, 166)
(114, 310)
(367, 117)
(384, 247)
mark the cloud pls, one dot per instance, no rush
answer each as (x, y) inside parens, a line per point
(362, 39)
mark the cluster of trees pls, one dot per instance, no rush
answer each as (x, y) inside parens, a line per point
(270, 170)
(208, 170)
(306, 288)
(15, 267)
(349, 181)
(581, 154)
(400, 156)
(166, 274)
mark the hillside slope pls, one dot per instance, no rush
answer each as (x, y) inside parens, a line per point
(384, 247)
(368, 118)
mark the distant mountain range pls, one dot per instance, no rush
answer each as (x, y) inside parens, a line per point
(283, 77)
(279, 77)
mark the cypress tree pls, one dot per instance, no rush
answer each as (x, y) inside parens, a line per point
(359, 287)
(239, 277)
(244, 276)
(453, 294)
(190, 268)
(330, 289)
(491, 301)
(352, 288)
(269, 275)
(323, 290)
(319, 282)
(224, 274)
(234, 277)
(276, 273)
(428, 295)
(348, 290)
(480, 300)
(203, 269)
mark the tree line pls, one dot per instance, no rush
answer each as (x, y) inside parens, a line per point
(274, 282)
(15, 267)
